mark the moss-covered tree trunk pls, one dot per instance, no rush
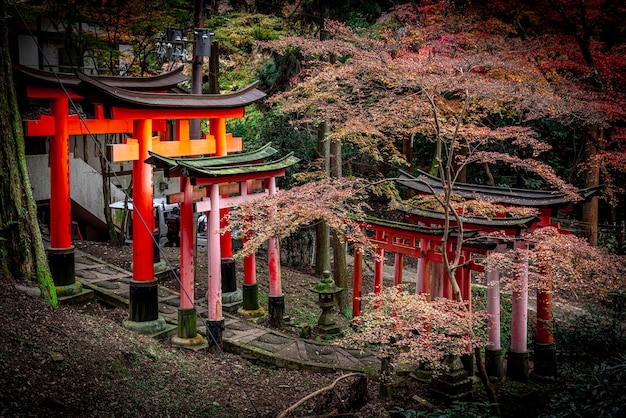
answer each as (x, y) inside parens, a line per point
(22, 253)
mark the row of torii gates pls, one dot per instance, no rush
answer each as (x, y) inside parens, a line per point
(224, 177)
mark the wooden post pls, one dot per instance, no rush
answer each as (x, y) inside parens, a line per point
(60, 200)
(493, 353)
(517, 364)
(143, 292)
(187, 229)
(250, 285)
(187, 333)
(143, 211)
(357, 282)
(545, 349)
(215, 323)
(61, 253)
(276, 298)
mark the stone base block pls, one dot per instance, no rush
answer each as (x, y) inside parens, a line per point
(517, 366)
(276, 310)
(196, 343)
(251, 297)
(494, 363)
(62, 265)
(232, 301)
(214, 331)
(545, 362)
(257, 313)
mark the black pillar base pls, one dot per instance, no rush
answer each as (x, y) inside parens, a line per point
(517, 366)
(143, 301)
(61, 263)
(545, 360)
(251, 297)
(229, 275)
(276, 310)
(187, 319)
(214, 332)
(493, 363)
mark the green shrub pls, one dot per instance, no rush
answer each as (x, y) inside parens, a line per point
(591, 335)
(598, 392)
(476, 409)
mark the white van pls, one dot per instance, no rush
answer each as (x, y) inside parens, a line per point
(161, 211)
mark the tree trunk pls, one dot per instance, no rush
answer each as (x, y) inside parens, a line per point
(407, 151)
(340, 271)
(592, 178)
(22, 252)
(322, 240)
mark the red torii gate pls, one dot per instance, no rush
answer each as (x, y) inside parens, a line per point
(548, 203)
(232, 176)
(142, 109)
(59, 89)
(419, 242)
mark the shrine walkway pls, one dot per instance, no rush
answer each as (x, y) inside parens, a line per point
(243, 337)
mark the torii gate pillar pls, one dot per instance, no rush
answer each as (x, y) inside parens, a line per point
(545, 349)
(517, 362)
(493, 353)
(143, 298)
(276, 298)
(61, 251)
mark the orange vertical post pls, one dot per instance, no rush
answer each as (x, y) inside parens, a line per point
(61, 253)
(143, 292)
(143, 211)
(218, 130)
(60, 198)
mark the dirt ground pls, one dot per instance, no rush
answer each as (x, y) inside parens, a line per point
(78, 360)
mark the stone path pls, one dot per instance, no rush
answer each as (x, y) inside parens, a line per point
(243, 337)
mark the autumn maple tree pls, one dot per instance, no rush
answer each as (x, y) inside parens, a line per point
(560, 263)
(413, 331)
(472, 83)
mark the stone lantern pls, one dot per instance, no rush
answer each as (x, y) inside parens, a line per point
(326, 290)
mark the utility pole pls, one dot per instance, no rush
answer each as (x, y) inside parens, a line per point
(196, 68)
